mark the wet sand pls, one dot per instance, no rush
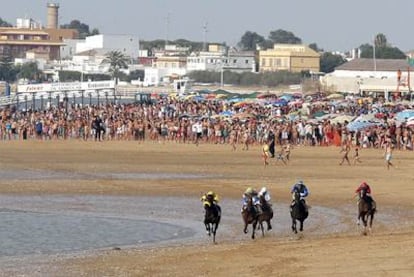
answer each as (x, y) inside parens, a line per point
(69, 178)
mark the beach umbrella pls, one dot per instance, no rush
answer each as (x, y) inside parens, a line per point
(226, 113)
(342, 118)
(359, 125)
(401, 116)
(335, 96)
(286, 97)
(319, 114)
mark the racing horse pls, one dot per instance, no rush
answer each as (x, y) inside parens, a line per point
(298, 212)
(212, 218)
(250, 216)
(366, 210)
(266, 215)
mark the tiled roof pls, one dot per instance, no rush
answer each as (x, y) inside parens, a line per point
(381, 65)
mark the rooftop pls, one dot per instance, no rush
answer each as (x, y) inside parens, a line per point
(381, 65)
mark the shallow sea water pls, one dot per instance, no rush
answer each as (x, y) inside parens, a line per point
(61, 224)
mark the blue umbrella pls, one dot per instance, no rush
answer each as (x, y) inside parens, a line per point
(359, 125)
(226, 113)
(401, 116)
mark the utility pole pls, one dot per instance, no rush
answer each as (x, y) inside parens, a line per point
(167, 28)
(374, 57)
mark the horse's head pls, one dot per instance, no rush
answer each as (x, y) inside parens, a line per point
(363, 193)
(207, 205)
(263, 201)
(296, 194)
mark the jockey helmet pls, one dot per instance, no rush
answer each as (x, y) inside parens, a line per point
(210, 193)
(263, 191)
(364, 184)
(249, 190)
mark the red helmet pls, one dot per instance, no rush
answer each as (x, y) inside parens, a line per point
(364, 184)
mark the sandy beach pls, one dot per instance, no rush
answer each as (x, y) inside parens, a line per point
(182, 172)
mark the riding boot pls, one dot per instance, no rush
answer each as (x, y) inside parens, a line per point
(305, 205)
(259, 209)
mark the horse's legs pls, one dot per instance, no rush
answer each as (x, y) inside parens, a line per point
(207, 228)
(370, 221)
(261, 226)
(245, 228)
(301, 225)
(254, 223)
(294, 225)
(215, 226)
(269, 225)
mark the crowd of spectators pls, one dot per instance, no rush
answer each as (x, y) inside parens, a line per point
(210, 121)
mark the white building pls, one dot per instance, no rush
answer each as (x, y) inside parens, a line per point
(126, 44)
(369, 76)
(159, 76)
(238, 61)
(69, 49)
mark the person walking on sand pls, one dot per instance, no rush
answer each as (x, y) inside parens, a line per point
(265, 154)
(388, 154)
(356, 156)
(345, 149)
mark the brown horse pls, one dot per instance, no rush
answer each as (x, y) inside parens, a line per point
(212, 218)
(250, 216)
(366, 210)
(266, 215)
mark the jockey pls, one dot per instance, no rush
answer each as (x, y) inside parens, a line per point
(210, 198)
(303, 191)
(367, 189)
(362, 186)
(251, 193)
(266, 198)
(263, 192)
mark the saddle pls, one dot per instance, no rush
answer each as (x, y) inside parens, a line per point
(371, 203)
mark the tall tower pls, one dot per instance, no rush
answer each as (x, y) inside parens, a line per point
(52, 15)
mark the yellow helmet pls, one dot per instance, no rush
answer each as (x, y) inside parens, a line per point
(249, 190)
(210, 193)
(207, 203)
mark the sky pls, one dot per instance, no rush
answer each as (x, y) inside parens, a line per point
(333, 25)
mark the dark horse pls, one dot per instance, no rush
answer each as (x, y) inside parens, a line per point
(298, 212)
(366, 209)
(266, 215)
(212, 218)
(250, 216)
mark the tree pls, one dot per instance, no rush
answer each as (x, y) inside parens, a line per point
(282, 36)
(82, 28)
(4, 23)
(250, 40)
(382, 49)
(29, 71)
(380, 41)
(116, 61)
(367, 51)
(69, 76)
(136, 75)
(94, 32)
(315, 47)
(7, 71)
(329, 61)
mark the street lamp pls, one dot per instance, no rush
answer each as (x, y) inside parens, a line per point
(222, 73)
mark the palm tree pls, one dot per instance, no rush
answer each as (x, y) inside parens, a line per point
(380, 41)
(116, 61)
